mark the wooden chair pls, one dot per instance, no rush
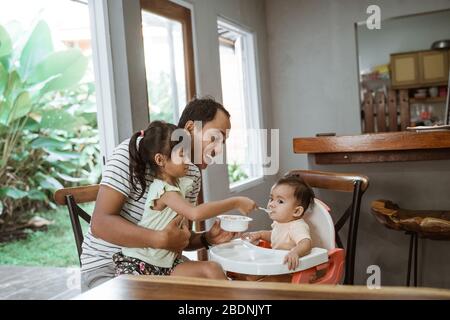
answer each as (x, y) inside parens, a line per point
(71, 197)
(341, 182)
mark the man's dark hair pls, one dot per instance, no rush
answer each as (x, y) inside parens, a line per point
(204, 109)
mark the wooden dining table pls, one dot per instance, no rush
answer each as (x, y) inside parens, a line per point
(128, 287)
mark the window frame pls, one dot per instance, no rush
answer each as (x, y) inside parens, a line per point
(252, 95)
(107, 121)
(181, 14)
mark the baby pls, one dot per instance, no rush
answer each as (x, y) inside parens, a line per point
(290, 197)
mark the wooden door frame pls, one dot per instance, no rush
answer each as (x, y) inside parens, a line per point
(173, 11)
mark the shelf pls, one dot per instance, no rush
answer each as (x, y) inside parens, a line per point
(376, 147)
(420, 85)
(428, 100)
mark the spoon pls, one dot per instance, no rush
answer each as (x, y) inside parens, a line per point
(264, 209)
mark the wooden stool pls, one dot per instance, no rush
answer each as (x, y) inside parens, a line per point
(428, 224)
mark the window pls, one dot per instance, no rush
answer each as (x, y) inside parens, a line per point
(241, 98)
(168, 50)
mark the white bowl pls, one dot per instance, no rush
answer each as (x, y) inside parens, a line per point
(234, 223)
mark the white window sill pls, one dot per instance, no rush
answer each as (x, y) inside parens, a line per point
(247, 184)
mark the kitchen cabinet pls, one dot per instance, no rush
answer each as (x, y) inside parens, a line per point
(419, 69)
(404, 69)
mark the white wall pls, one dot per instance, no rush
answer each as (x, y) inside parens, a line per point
(314, 86)
(401, 35)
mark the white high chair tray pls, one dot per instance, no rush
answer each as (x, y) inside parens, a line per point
(243, 257)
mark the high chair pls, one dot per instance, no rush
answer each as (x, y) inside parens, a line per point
(242, 257)
(325, 264)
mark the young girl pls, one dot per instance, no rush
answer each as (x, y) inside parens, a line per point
(166, 200)
(290, 197)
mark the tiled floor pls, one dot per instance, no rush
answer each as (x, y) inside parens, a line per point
(38, 283)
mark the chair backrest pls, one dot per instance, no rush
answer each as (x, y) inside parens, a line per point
(320, 225)
(344, 182)
(380, 111)
(71, 197)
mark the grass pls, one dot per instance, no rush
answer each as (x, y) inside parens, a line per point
(54, 247)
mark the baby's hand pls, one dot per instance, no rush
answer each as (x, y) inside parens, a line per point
(292, 260)
(245, 205)
(253, 237)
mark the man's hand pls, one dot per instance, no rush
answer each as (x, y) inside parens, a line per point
(216, 235)
(173, 238)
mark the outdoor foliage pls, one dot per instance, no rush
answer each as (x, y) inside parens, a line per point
(48, 127)
(159, 95)
(236, 173)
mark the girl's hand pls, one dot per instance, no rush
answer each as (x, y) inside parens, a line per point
(253, 237)
(292, 260)
(245, 205)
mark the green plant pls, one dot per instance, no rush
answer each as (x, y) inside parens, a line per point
(160, 99)
(48, 128)
(236, 173)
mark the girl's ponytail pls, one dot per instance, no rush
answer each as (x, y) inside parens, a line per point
(155, 139)
(137, 166)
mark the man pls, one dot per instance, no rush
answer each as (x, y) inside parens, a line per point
(116, 213)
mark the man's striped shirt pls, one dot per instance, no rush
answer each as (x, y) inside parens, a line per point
(96, 252)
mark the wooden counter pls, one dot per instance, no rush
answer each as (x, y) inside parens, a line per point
(377, 147)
